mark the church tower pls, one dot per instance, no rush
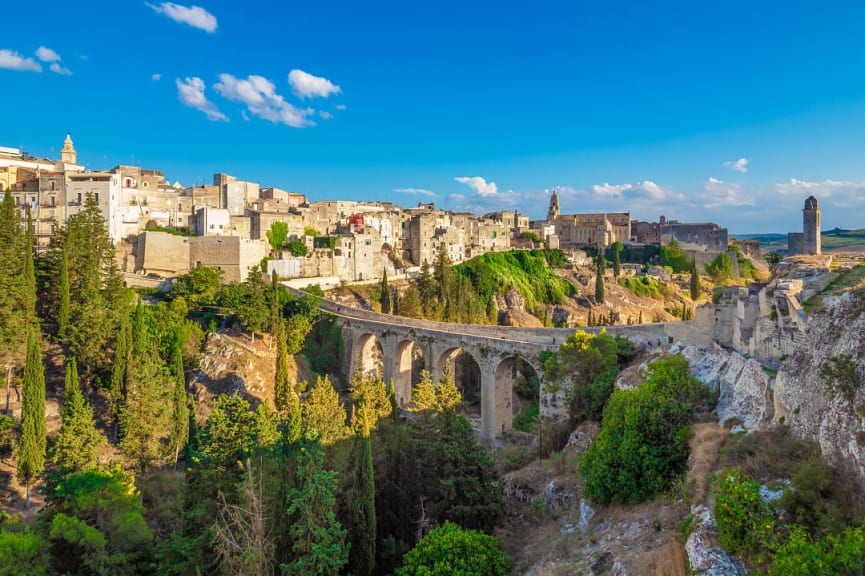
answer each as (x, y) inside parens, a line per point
(68, 154)
(553, 212)
(811, 227)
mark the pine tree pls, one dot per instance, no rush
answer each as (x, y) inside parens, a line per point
(180, 409)
(318, 539)
(695, 282)
(323, 417)
(63, 310)
(78, 439)
(29, 288)
(599, 279)
(31, 454)
(448, 396)
(384, 299)
(423, 395)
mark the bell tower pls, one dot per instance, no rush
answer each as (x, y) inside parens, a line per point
(553, 212)
(68, 154)
(811, 227)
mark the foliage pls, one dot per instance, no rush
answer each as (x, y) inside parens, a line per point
(20, 549)
(746, 267)
(31, 452)
(12, 285)
(642, 445)
(297, 248)
(323, 415)
(384, 298)
(745, 521)
(78, 440)
(530, 236)
(842, 554)
(450, 550)
(720, 269)
(673, 256)
(600, 263)
(616, 249)
(8, 434)
(277, 235)
(199, 287)
(646, 287)
(695, 283)
(323, 346)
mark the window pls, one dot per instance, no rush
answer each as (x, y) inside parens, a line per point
(96, 197)
(51, 187)
(51, 199)
(79, 197)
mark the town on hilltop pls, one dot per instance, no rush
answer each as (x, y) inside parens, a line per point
(227, 224)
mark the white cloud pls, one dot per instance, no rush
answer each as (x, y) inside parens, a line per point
(836, 193)
(610, 189)
(740, 165)
(260, 97)
(12, 60)
(416, 191)
(479, 185)
(47, 54)
(191, 93)
(194, 16)
(325, 115)
(58, 69)
(156, 77)
(340, 106)
(305, 85)
(717, 194)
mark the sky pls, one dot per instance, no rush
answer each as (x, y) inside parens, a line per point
(731, 112)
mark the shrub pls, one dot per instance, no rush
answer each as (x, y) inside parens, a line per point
(674, 257)
(745, 521)
(453, 551)
(720, 269)
(646, 287)
(642, 445)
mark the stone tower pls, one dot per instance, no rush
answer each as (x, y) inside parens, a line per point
(811, 227)
(553, 212)
(68, 154)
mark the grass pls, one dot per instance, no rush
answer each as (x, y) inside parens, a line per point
(768, 454)
(527, 421)
(646, 287)
(852, 278)
(528, 271)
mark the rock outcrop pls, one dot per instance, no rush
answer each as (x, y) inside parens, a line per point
(745, 388)
(804, 400)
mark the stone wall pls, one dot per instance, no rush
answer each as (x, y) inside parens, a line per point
(234, 255)
(162, 253)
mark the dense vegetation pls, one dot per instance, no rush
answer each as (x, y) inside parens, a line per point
(646, 286)
(673, 256)
(305, 482)
(467, 292)
(642, 445)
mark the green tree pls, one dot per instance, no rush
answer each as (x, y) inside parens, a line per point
(362, 557)
(423, 394)
(29, 288)
(284, 396)
(745, 521)
(319, 541)
(199, 287)
(384, 299)
(31, 453)
(450, 550)
(695, 282)
(180, 408)
(442, 271)
(297, 248)
(20, 549)
(117, 388)
(12, 316)
(447, 394)
(720, 269)
(323, 417)
(277, 235)
(63, 310)
(617, 265)
(78, 440)
(599, 277)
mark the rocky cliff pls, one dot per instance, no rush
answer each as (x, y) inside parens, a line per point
(805, 400)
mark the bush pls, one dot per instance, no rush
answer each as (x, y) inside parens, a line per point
(646, 287)
(720, 269)
(745, 522)
(453, 551)
(642, 445)
(842, 554)
(674, 257)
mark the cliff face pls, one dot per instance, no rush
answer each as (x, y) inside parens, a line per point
(802, 397)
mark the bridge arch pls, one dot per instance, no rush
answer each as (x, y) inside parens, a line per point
(517, 386)
(367, 355)
(408, 359)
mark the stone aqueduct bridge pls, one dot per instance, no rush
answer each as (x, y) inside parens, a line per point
(493, 348)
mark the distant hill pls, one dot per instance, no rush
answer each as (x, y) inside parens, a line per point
(835, 238)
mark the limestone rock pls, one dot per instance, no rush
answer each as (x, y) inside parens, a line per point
(586, 514)
(521, 318)
(745, 388)
(803, 400)
(706, 557)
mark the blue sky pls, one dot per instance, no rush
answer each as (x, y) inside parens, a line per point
(732, 112)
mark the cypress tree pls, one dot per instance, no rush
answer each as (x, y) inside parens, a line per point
(617, 265)
(31, 455)
(599, 279)
(180, 421)
(63, 311)
(323, 415)
(117, 389)
(12, 317)
(363, 514)
(384, 299)
(28, 300)
(77, 441)
(695, 282)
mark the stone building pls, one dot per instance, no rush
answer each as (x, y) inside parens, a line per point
(811, 241)
(579, 230)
